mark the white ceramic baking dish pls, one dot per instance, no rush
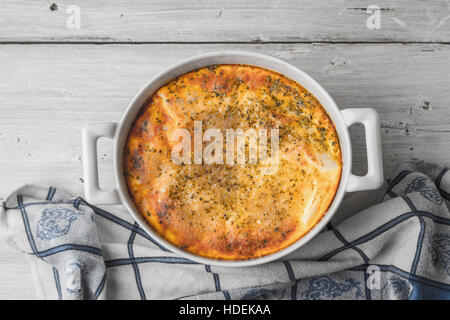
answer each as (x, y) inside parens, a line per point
(342, 120)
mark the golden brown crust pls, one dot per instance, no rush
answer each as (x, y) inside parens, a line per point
(233, 212)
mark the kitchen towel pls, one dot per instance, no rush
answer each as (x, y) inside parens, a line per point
(398, 248)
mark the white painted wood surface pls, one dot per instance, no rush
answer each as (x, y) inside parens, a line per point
(219, 20)
(51, 86)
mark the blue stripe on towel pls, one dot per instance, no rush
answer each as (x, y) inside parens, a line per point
(419, 246)
(25, 205)
(421, 235)
(123, 223)
(226, 294)
(169, 260)
(68, 247)
(100, 286)
(385, 227)
(345, 242)
(445, 195)
(76, 203)
(291, 275)
(137, 274)
(440, 176)
(399, 177)
(26, 223)
(58, 284)
(358, 250)
(51, 193)
(409, 203)
(215, 276)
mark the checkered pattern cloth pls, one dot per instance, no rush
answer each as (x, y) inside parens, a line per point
(398, 248)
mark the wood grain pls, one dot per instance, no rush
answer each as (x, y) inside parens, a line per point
(50, 88)
(225, 21)
(15, 275)
(49, 92)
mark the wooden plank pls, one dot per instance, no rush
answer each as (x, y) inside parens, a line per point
(224, 21)
(15, 276)
(49, 92)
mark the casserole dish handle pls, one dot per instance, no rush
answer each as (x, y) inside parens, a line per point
(92, 190)
(371, 121)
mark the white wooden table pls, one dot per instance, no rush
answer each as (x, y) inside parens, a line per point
(54, 79)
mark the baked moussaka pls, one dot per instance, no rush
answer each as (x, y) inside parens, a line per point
(232, 210)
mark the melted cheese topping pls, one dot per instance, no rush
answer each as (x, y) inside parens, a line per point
(233, 211)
